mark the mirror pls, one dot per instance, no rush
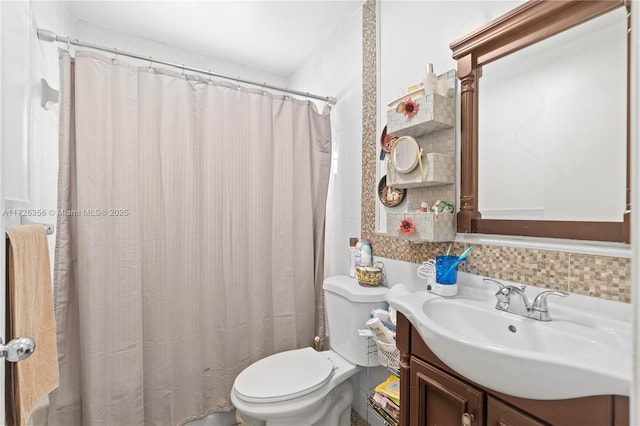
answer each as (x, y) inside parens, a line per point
(405, 154)
(544, 123)
(556, 109)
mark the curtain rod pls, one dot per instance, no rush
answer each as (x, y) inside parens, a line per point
(50, 36)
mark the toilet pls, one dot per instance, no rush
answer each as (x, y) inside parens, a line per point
(304, 387)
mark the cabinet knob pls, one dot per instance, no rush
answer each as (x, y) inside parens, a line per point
(467, 419)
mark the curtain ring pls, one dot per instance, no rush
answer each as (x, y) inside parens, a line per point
(69, 45)
(209, 72)
(115, 60)
(150, 66)
(238, 82)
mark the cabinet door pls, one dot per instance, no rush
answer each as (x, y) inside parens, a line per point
(438, 399)
(501, 414)
(621, 410)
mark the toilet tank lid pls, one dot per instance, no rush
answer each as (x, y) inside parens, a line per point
(349, 288)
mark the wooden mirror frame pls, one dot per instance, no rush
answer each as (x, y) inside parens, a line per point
(525, 25)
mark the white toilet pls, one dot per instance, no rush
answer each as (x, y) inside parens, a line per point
(303, 387)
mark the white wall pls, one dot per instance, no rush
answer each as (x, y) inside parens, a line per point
(336, 70)
(108, 38)
(29, 133)
(15, 81)
(413, 34)
(43, 164)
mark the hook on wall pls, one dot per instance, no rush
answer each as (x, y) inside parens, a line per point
(49, 95)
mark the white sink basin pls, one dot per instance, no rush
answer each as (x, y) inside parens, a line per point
(576, 354)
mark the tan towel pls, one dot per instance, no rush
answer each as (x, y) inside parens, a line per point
(30, 313)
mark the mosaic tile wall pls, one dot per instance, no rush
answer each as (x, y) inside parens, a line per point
(596, 276)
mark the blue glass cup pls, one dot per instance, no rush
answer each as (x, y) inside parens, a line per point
(444, 273)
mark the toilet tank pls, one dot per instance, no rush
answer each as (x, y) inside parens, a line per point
(347, 307)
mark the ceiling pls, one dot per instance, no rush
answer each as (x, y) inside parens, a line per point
(272, 36)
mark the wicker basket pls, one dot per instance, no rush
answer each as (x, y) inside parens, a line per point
(370, 276)
(388, 355)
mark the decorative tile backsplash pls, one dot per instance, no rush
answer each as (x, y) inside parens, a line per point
(591, 275)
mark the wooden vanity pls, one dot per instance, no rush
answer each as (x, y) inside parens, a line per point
(433, 394)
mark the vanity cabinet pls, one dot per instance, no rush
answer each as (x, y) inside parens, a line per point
(501, 414)
(440, 398)
(433, 394)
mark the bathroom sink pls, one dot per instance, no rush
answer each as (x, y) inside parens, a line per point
(576, 354)
(496, 328)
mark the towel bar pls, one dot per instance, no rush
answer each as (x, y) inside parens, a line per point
(25, 220)
(47, 226)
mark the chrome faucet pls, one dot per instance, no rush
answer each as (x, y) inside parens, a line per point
(513, 299)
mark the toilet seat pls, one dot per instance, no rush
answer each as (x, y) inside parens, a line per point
(284, 376)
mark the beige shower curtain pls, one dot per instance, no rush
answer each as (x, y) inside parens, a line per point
(190, 239)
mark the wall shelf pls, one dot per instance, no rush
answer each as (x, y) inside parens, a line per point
(435, 112)
(433, 179)
(427, 227)
(433, 169)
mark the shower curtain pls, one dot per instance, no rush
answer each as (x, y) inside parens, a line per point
(190, 239)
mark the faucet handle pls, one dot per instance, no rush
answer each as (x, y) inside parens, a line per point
(492, 281)
(540, 302)
(502, 295)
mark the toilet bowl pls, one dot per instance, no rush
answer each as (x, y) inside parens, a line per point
(299, 387)
(304, 387)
